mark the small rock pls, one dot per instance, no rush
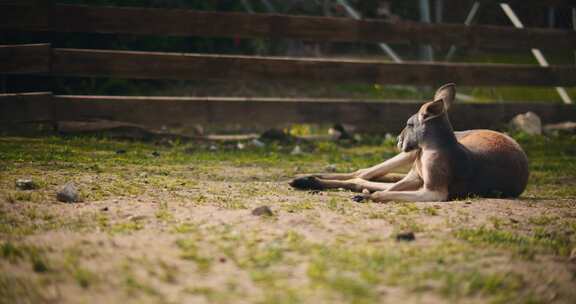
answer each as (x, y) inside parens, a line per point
(296, 151)
(262, 211)
(68, 194)
(156, 154)
(406, 236)
(528, 123)
(240, 146)
(331, 168)
(213, 148)
(26, 184)
(104, 209)
(258, 143)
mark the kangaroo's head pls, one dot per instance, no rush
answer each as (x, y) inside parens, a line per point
(430, 125)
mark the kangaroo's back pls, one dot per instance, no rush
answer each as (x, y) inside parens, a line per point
(497, 165)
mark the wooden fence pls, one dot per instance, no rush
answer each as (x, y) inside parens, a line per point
(258, 112)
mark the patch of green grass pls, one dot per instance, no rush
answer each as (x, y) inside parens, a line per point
(525, 245)
(339, 206)
(301, 206)
(356, 272)
(339, 266)
(130, 225)
(432, 211)
(185, 228)
(474, 282)
(163, 214)
(127, 227)
(190, 251)
(542, 220)
(15, 288)
(380, 215)
(134, 287)
(405, 208)
(35, 255)
(83, 277)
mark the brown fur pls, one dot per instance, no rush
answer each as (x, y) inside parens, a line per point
(497, 166)
(445, 164)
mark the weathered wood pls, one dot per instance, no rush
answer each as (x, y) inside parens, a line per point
(263, 113)
(26, 107)
(153, 65)
(67, 18)
(28, 58)
(514, 2)
(18, 2)
(26, 15)
(533, 3)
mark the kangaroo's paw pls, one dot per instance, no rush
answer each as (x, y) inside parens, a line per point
(307, 183)
(363, 197)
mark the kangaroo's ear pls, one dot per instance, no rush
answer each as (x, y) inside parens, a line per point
(432, 109)
(446, 93)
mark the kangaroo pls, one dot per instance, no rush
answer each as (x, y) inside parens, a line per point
(445, 164)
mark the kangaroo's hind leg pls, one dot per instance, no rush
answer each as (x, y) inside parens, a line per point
(352, 180)
(354, 184)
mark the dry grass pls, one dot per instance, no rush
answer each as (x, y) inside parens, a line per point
(178, 228)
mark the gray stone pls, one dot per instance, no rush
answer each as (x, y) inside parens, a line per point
(26, 184)
(258, 143)
(528, 123)
(68, 194)
(406, 236)
(296, 151)
(262, 211)
(331, 168)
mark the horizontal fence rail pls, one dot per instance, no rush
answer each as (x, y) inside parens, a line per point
(174, 22)
(26, 107)
(552, 3)
(30, 58)
(256, 113)
(154, 65)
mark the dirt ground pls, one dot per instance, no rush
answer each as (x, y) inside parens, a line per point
(173, 223)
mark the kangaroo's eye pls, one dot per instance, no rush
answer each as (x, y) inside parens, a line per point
(409, 124)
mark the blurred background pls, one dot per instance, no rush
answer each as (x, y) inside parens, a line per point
(434, 11)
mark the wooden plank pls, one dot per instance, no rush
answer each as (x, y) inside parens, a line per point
(532, 3)
(560, 3)
(153, 65)
(262, 113)
(26, 107)
(26, 15)
(18, 2)
(146, 21)
(28, 58)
